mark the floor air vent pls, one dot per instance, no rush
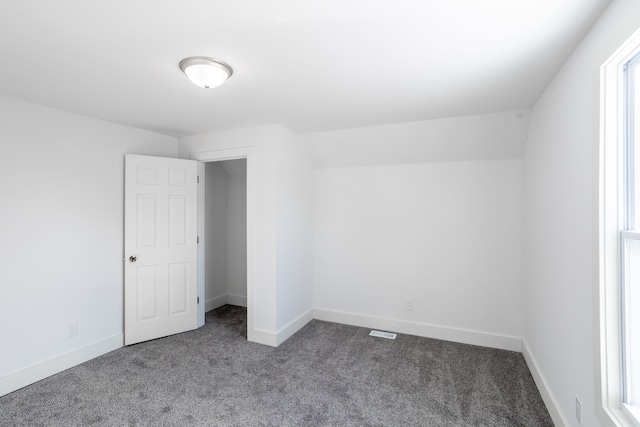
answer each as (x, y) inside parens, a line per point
(381, 334)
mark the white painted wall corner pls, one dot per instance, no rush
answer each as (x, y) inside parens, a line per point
(274, 339)
(238, 300)
(213, 303)
(294, 326)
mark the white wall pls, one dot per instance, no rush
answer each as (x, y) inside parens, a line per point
(273, 199)
(561, 224)
(295, 234)
(61, 224)
(447, 235)
(236, 231)
(215, 211)
(454, 139)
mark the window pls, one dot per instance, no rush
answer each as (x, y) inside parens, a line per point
(619, 236)
(630, 242)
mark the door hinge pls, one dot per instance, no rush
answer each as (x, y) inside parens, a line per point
(198, 179)
(198, 300)
(197, 239)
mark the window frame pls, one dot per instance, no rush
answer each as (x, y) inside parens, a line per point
(632, 412)
(611, 214)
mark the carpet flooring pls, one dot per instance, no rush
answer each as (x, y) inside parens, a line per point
(327, 374)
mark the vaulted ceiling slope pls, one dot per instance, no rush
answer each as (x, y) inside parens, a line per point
(314, 65)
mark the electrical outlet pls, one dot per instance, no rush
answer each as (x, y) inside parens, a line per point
(578, 411)
(408, 304)
(72, 329)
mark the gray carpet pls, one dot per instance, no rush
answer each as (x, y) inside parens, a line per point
(325, 375)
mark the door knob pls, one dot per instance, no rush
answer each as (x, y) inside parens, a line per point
(133, 258)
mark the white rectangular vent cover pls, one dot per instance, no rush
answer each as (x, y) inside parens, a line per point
(381, 334)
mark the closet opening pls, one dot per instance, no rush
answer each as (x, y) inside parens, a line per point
(225, 237)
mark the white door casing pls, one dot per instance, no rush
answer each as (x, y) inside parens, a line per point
(160, 247)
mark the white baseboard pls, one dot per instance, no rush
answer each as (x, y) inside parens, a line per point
(262, 336)
(465, 336)
(274, 339)
(294, 326)
(237, 300)
(547, 396)
(34, 373)
(213, 303)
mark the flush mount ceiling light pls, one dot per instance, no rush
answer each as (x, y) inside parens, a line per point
(205, 72)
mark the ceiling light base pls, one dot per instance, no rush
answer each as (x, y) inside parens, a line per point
(206, 72)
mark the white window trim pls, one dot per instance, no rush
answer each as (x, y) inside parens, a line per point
(609, 408)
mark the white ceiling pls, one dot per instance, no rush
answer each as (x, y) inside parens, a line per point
(309, 65)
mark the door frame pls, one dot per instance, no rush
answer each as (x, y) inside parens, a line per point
(203, 157)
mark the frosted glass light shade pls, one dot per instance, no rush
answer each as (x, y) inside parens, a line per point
(206, 72)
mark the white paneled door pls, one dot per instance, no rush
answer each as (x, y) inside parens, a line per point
(160, 247)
